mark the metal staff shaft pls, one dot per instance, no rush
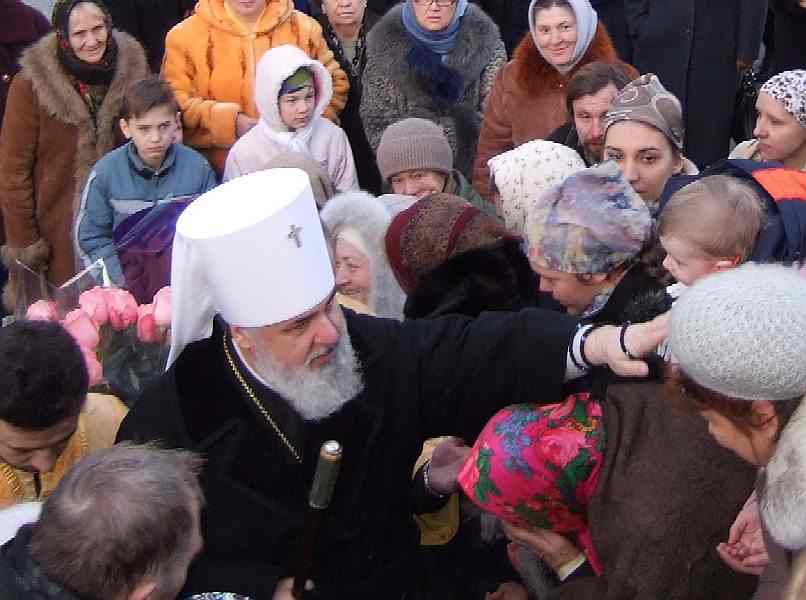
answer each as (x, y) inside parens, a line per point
(324, 482)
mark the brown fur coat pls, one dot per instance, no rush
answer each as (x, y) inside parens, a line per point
(528, 101)
(48, 146)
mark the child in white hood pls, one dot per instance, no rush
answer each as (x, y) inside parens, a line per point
(291, 92)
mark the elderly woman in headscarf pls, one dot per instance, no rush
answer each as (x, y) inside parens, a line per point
(644, 135)
(433, 59)
(586, 237)
(357, 223)
(62, 116)
(528, 97)
(519, 176)
(781, 126)
(450, 258)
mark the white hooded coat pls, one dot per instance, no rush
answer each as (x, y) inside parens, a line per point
(321, 140)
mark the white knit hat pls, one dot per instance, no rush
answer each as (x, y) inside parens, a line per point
(742, 333)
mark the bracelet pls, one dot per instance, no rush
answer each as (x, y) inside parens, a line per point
(621, 337)
(582, 341)
(428, 487)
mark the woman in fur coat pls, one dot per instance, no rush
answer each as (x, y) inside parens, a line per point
(433, 59)
(528, 97)
(62, 115)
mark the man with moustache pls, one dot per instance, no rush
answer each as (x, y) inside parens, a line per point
(265, 366)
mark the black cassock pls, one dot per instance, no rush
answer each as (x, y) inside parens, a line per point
(422, 379)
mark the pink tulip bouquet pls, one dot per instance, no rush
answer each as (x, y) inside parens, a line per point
(124, 344)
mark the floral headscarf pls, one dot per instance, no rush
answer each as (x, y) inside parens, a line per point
(789, 88)
(538, 466)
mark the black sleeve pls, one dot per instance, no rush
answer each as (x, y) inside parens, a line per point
(468, 369)
(636, 12)
(752, 15)
(423, 501)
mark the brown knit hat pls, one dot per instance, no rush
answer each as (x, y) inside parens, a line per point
(414, 144)
(433, 230)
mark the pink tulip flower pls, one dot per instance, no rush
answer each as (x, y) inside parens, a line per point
(122, 309)
(147, 330)
(83, 329)
(94, 368)
(162, 307)
(95, 303)
(42, 310)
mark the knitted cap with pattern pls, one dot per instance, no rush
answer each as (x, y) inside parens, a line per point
(742, 332)
(414, 144)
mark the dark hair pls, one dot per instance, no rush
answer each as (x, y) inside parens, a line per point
(146, 94)
(43, 378)
(593, 78)
(690, 397)
(120, 515)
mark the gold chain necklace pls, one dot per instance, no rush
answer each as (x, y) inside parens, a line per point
(258, 403)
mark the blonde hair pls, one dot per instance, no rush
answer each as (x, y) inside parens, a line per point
(720, 215)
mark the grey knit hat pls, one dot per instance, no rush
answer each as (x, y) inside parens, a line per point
(742, 333)
(414, 144)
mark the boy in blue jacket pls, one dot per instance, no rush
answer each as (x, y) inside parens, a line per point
(151, 169)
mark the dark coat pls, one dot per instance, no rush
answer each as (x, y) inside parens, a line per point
(21, 578)
(369, 178)
(611, 13)
(567, 136)
(422, 379)
(693, 46)
(667, 495)
(22, 26)
(149, 21)
(495, 277)
(789, 35)
(512, 18)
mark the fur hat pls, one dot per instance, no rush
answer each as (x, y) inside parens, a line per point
(414, 144)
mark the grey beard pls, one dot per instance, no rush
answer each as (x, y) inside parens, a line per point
(315, 393)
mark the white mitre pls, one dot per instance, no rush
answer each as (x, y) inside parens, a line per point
(251, 250)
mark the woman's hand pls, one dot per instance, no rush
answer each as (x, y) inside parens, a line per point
(552, 548)
(243, 124)
(603, 346)
(745, 551)
(446, 461)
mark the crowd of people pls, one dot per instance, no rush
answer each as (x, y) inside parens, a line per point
(517, 258)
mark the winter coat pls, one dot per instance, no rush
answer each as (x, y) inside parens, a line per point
(527, 102)
(393, 90)
(789, 35)
(120, 185)
(666, 496)
(611, 14)
(693, 46)
(47, 151)
(421, 379)
(210, 63)
(22, 26)
(458, 185)
(149, 21)
(323, 141)
(369, 177)
(512, 18)
(370, 219)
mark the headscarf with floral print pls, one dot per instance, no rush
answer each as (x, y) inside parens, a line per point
(538, 466)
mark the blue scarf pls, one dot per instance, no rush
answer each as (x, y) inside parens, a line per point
(439, 42)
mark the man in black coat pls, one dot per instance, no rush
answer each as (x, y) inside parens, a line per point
(698, 48)
(149, 21)
(258, 399)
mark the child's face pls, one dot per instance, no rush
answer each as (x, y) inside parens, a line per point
(152, 133)
(296, 108)
(685, 262)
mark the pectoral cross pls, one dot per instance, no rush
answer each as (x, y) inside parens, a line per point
(293, 234)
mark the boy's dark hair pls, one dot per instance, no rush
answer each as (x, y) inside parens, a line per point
(145, 94)
(592, 78)
(43, 377)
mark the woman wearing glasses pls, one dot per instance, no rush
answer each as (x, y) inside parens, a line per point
(433, 59)
(528, 98)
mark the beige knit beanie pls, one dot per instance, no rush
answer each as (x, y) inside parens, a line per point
(414, 144)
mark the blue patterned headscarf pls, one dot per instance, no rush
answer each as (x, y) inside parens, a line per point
(439, 42)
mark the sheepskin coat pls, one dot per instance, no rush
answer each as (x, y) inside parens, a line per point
(370, 219)
(210, 63)
(527, 102)
(48, 145)
(394, 91)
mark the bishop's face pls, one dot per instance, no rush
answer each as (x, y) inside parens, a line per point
(304, 341)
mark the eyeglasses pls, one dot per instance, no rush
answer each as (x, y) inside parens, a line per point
(439, 3)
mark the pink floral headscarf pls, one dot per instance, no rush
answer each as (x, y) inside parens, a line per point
(538, 466)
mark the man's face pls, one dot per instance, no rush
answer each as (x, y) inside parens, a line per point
(589, 113)
(152, 133)
(35, 451)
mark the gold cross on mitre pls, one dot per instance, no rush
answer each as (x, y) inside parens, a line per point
(293, 234)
